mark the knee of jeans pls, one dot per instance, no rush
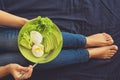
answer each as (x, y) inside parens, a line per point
(8, 40)
(13, 57)
(8, 46)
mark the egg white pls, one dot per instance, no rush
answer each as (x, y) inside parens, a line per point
(38, 50)
(36, 37)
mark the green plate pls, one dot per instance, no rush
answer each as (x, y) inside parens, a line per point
(52, 39)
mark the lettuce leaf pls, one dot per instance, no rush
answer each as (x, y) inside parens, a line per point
(26, 41)
(42, 25)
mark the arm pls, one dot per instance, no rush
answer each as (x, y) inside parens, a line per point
(4, 71)
(11, 20)
(16, 71)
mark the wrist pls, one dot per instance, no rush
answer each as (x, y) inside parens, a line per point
(7, 68)
(4, 70)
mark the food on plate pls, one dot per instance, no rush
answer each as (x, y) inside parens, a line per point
(36, 37)
(26, 42)
(38, 50)
(39, 38)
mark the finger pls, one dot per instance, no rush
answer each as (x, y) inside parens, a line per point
(21, 67)
(29, 73)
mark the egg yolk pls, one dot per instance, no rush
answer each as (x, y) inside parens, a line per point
(39, 49)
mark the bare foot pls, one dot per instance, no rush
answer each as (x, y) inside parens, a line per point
(100, 39)
(102, 52)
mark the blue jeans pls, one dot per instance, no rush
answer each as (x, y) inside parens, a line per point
(71, 52)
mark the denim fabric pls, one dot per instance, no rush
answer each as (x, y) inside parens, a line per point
(71, 40)
(66, 57)
(9, 52)
(8, 46)
(8, 39)
(12, 57)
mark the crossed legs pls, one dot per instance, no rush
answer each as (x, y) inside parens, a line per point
(98, 45)
(103, 43)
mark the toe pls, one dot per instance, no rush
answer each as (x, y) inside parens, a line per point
(110, 41)
(114, 47)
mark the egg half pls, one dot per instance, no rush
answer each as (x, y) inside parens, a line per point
(36, 37)
(38, 50)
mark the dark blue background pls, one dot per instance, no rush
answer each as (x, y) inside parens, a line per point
(77, 16)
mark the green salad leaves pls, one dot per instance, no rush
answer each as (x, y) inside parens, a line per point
(51, 39)
(46, 27)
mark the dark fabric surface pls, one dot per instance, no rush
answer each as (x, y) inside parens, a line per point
(77, 16)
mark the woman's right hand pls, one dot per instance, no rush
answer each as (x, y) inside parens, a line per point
(17, 70)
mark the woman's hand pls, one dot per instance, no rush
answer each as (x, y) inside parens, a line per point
(17, 70)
